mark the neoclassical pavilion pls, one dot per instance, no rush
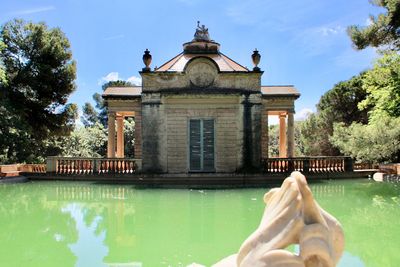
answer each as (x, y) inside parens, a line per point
(200, 112)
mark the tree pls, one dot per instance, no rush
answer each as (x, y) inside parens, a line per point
(118, 83)
(40, 76)
(376, 142)
(89, 112)
(379, 141)
(129, 137)
(340, 104)
(382, 83)
(90, 116)
(2, 72)
(384, 30)
(88, 141)
(315, 132)
(273, 140)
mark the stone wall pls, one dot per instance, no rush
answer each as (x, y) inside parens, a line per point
(225, 110)
(158, 81)
(165, 131)
(153, 134)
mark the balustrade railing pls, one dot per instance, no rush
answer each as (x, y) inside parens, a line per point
(92, 166)
(308, 164)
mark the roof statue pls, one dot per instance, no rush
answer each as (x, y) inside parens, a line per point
(201, 33)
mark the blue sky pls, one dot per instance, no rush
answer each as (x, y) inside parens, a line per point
(302, 42)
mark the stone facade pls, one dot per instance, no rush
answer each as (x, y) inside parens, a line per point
(201, 108)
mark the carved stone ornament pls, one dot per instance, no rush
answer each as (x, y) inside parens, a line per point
(201, 33)
(201, 73)
(256, 59)
(147, 60)
(291, 216)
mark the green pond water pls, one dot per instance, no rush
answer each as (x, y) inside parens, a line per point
(88, 224)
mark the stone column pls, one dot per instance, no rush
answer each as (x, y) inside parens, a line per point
(290, 136)
(138, 134)
(264, 135)
(282, 135)
(120, 137)
(111, 135)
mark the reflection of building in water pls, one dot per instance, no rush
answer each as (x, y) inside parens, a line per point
(182, 224)
(115, 206)
(90, 193)
(327, 190)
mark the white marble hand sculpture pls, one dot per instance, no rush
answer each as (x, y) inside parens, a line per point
(291, 216)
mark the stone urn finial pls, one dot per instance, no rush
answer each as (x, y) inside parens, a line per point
(147, 60)
(256, 59)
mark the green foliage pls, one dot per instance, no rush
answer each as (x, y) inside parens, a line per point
(88, 141)
(273, 140)
(102, 109)
(3, 79)
(315, 132)
(91, 141)
(382, 84)
(90, 116)
(340, 104)
(379, 141)
(129, 137)
(376, 142)
(118, 83)
(40, 76)
(384, 30)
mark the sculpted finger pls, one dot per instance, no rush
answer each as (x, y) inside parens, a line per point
(337, 235)
(311, 211)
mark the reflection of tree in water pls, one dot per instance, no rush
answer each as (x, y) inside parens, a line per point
(169, 227)
(105, 208)
(369, 213)
(34, 232)
(156, 227)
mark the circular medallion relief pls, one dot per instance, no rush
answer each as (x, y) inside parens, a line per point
(202, 74)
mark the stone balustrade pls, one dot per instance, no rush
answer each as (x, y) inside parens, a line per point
(308, 164)
(92, 166)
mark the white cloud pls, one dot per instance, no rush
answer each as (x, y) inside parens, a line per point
(33, 10)
(326, 31)
(135, 80)
(114, 76)
(303, 114)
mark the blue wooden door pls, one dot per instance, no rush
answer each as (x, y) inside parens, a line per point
(201, 145)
